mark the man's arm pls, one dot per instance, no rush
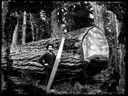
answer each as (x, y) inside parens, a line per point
(41, 60)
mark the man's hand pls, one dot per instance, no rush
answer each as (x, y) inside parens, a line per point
(46, 64)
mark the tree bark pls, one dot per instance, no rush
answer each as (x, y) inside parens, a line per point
(37, 32)
(15, 35)
(4, 13)
(54, 24)
(112, 31)
(115, 43)
(5, 69)
(24, 28)
(32, 27)
(98, 15)
(121, 55)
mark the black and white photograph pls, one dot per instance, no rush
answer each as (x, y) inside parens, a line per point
(51, 48)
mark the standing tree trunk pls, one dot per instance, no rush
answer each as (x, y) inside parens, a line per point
(115, 53)
(54, 24)
(15, 35)
(106, 21)
(24, 28)
(4, 13)
(98, 15)
(5, 69)
(115, 43)
(120, 57)
(37, 33)
(110, 31)
(32, 27)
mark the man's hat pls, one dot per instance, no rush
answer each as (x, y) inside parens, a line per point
(50, 45)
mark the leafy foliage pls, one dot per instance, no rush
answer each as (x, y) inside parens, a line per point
(69, 11)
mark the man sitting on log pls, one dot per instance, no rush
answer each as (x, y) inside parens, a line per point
(48, 60)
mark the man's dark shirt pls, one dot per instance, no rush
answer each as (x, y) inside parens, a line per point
(48, 58)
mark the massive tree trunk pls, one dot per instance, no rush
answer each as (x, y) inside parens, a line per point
(15, 35)
(108, 27)
(111, 35)
(98, 15)
(112, 29)
(24, 28)
(121, 51)
(4, 13)
(54, 24)
(71, 63)
(6, 64)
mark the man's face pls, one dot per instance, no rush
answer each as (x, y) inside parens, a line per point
(50, 48)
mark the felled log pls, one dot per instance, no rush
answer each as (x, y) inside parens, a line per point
(26, 56)
(31, 50)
